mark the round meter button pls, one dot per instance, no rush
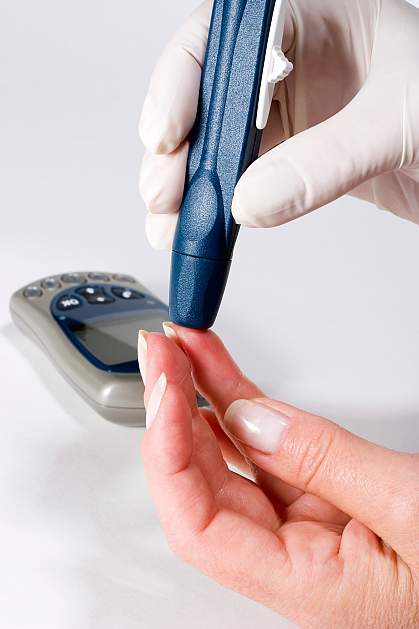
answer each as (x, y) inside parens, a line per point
(124, 278)
(99, 277)
(50, 283)
(32, 291)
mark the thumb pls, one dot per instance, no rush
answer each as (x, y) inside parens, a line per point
(374, 485)
(322, 163)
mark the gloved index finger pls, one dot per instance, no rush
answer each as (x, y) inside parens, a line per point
(170, 106)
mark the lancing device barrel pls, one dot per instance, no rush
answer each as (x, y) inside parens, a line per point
(223, 144)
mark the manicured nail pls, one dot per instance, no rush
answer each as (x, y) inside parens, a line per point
(256, 425)
(156, 397)
(142, 354)
(170, 332)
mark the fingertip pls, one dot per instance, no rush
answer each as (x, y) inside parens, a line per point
(215, 373)
(244, 209)
(191, 340)
(162, 180)
(271, 192)
(160, 230)
(170, 107)
(156, 129)
(165, 356)
(170, 331)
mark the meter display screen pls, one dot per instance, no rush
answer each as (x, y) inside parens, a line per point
(114, 341)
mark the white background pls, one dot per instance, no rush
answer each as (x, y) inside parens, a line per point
(322, 313)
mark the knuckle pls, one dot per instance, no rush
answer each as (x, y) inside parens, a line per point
(315, 456)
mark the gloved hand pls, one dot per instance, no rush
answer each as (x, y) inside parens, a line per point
(345, 120)
(327, 535)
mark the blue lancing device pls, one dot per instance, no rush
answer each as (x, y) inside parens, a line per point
(243, 63)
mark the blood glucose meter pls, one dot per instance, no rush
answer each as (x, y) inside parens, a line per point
(87, 323)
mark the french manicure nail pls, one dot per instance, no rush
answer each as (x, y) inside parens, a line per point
(142, 354)
(256, 425)
(170, 332)
(155, 400)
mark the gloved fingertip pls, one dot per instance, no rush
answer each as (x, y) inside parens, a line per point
(156, 131)
(240, 215)
(162, 180)
(269, 194)
(160, 230)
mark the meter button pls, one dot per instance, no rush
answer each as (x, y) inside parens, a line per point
(124, 278)
(32, 291)
(126, 293)
(99, 277)
(50, 283)
(95, 295)
(73, 278)
(68, 303)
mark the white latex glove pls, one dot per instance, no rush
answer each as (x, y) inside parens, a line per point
(346, 120)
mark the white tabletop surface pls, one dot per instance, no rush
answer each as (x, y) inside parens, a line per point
(323, 313)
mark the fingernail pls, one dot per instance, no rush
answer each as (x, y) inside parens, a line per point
(170, 332)
(156, 397)
(256, 425)
(142, 354)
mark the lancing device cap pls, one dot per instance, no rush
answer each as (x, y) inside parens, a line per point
(242, 65)
(196, 290)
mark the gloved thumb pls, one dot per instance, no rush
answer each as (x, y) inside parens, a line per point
(376, 486)
(322, 163)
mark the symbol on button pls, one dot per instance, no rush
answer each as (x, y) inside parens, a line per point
(126, 293)
(95, 295)
(68, 303)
